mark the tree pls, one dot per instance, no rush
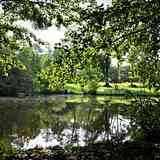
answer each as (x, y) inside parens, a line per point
(119, 27)
(133, 61)
(86, 39)
(144, 115)
(136, 23)
(15, 83)
(57, 69)
(31, 61)
(149, 70)
(105, 62)
(41, 14)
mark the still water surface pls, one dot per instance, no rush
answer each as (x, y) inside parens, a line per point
(62, 120)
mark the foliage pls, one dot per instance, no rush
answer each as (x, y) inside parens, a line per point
(41, 14)
(8, 61)
(135, 23)
(145, 121)
(15, 83)
(124, 31)
(86, 31)
(126, 28)
(57, 70)
(149, 70)
(31, 61)
(95, 33)
(92, 87)
(67, 67)
(5, 149)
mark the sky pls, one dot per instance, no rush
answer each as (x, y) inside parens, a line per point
(52, 35)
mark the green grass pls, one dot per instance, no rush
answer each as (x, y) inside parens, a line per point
(116, 89)
(73, 88)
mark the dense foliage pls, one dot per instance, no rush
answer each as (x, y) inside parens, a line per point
(127, 30)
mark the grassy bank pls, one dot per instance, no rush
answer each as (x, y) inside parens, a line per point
(115, 89)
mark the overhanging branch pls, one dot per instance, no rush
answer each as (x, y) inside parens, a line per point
(126, 35)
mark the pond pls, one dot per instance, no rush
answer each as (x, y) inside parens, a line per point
(64, 120)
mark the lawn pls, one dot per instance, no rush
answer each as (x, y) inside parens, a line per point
(115, 89)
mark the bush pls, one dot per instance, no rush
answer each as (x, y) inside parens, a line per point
(91, 87)
(16, 82)
(144, 114)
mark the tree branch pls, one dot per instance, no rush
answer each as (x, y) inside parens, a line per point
(126, 35)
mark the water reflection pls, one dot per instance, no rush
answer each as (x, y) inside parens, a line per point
(61, 120)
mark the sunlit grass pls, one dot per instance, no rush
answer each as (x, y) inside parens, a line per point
(73, 88)
(115, 89)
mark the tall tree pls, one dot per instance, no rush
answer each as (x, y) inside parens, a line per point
(41, 14)
(136, 22)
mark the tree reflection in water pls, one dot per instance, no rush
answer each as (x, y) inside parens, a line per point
(60, 120)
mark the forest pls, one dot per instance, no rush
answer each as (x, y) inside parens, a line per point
(107, 64)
